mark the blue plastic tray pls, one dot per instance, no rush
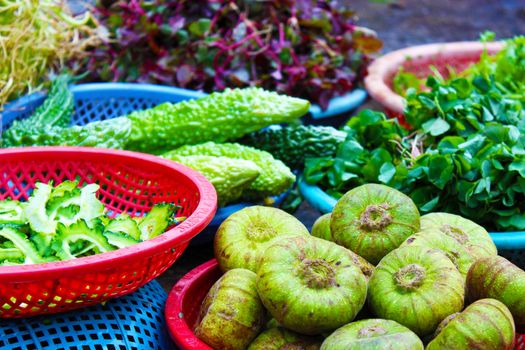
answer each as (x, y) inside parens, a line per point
(135, 321)
(509, 244)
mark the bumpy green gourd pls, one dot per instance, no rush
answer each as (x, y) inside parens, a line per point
(484, 325)
(56, 110)
(295, 143)
(373, 334)
(111, 133)
(372, 220)
(496, 277)
(474, 237)
(244, 236)
(229, 176)
(417, 287)
(432, 238)
(310, 285)
(218, 117)
(278, 338)
(232, 314)
(274, 178)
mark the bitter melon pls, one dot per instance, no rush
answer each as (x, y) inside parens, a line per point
(229, 176)
(218, 117)
(295, 143)
(275, 176)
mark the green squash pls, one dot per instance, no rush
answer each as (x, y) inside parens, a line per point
(232, 314)
(279, 338)
(310, 285)
(372, 220)
(373, 334)
(417, 287)
(244, 236)
(496, 277)
(471, 235)
(484, 325)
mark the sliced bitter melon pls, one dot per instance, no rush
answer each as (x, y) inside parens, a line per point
(156, 221)
(11, 212)
(68, 235)
(21, 243)
(125, 225)
(120, 240)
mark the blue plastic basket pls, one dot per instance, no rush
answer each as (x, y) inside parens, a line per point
(340, 105)
(510, 244)
(99, 101)
(135, 321)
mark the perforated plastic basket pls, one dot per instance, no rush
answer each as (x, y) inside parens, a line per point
(418, 60)
(130, 182)
(99, 101)
(510, 244)
(135, 321)
(185, 299)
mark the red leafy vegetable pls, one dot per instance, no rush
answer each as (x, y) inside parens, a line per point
(304, 48)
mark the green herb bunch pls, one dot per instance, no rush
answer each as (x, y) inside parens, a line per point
(465, 154)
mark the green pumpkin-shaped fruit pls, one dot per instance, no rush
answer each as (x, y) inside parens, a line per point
(373, 334)
(310, 285)
(432, 238)
(372, 220)
(417, 287)
(232, 314)
(474, 237)
(243, 236)
(279, 338)
(484, 325)
(496, 277)
(321, 227)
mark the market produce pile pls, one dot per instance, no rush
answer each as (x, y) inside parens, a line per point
(465, 153)
(437, 280)
(192, 132)
(67, 222)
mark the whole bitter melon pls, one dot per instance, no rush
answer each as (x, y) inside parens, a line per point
(295, 143)
(111, 133)
(275, 176)
(229, 176)
(55, 111)
(218, 117)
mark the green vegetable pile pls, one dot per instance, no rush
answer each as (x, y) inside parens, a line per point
(67, 222)
(381, 277)
(191, 132)
(465, 154)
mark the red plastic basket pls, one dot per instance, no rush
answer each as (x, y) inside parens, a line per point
(418, 60)
(185, 299)
(129, 182)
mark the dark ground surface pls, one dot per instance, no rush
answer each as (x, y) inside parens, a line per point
(404, 23)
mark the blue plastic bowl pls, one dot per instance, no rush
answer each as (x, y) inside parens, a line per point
(340, 105)
(509, 244)
(99, 101)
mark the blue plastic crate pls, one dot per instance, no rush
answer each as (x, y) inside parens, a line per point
(133, 322)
